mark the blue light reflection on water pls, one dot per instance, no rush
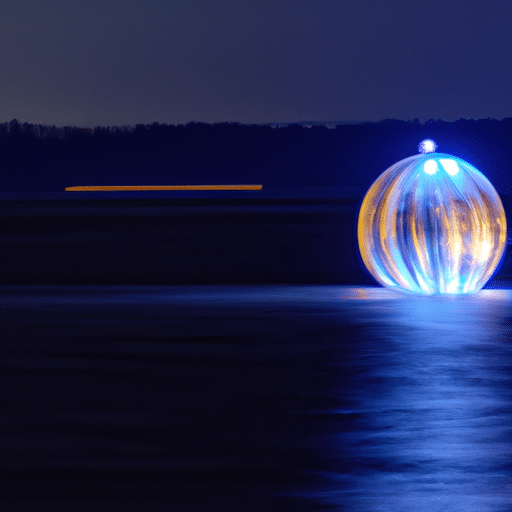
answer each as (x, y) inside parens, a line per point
(431, 407)
(395, 402)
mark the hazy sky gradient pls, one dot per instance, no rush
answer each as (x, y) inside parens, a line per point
(122, 62)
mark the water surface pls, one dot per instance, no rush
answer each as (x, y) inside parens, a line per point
(254, 398)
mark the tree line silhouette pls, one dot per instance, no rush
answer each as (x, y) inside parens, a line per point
(48, 158)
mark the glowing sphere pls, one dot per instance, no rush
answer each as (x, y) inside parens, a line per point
(430, 224)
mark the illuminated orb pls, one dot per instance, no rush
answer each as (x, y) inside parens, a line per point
(431, 224)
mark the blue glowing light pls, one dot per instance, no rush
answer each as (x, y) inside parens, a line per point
(427, 146)
(432, 223)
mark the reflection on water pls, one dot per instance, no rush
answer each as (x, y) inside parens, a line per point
(252, 398)
(427, 414)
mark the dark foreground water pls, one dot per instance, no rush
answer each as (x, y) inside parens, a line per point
(254, 398)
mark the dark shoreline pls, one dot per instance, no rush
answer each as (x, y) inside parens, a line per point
(183, 241)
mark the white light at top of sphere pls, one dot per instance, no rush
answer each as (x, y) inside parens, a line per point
(450, 166)
(427, 146)
(430, 166)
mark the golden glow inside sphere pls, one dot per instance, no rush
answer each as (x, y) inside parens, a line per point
(432, 224)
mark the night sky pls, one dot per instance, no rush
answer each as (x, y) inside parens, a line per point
(123, 62)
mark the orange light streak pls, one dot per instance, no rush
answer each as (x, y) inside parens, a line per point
(124, 188)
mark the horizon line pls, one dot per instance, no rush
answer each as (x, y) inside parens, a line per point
(337, 122)
(126, 188)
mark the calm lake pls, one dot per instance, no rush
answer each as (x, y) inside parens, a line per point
(254, 398)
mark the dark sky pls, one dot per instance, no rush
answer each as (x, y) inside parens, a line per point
(122, 62)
